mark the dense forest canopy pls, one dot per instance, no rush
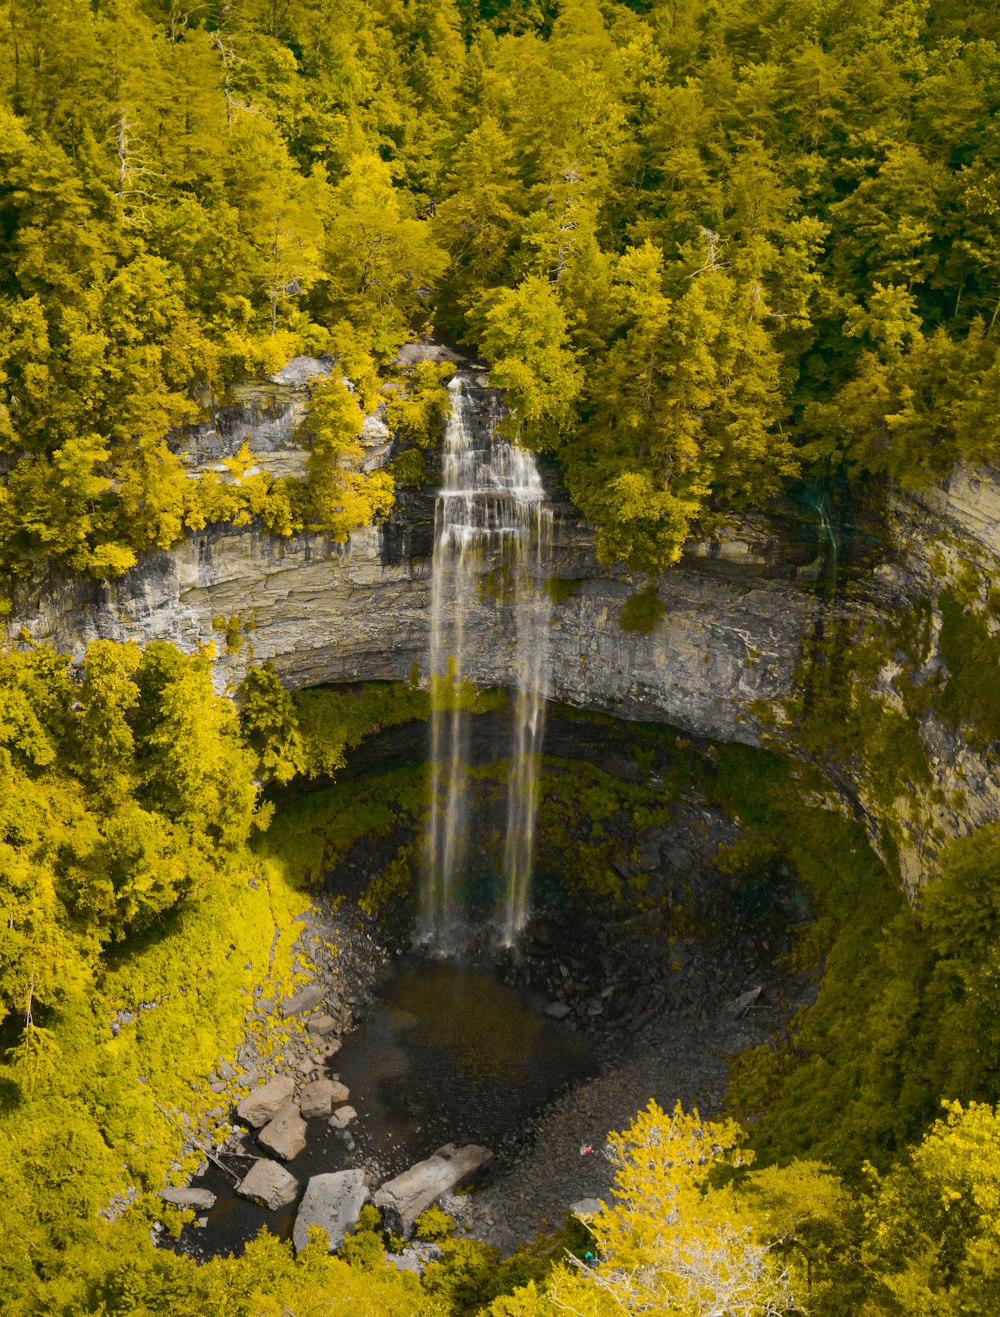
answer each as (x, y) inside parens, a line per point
(707, 247)
(713, 251)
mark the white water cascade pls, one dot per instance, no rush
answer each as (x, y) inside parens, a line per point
(491, 503)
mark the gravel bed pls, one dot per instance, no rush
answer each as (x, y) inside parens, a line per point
(675, 1060)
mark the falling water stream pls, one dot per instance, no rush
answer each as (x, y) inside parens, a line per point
(491, 502)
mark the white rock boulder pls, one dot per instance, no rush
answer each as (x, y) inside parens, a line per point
(264, 1103)
(285, 1135)
(269, 1183)
(200, 1199)
(317, 1098)
(333, 1202)
(402, 1199)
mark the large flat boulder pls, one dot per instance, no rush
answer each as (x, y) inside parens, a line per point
(285, 1135)
(317, 1098)
(269, 1183)
(201, 1199)
(332, 1201)
(304, 1000)
(402, 1199)
(264, 1103)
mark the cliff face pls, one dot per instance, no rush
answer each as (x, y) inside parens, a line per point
(327, 613)
(728, 641)
(729, 658)
(943, 568)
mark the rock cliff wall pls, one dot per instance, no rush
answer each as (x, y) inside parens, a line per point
(322, 612)
(729, 658)
(727, 644)
(945, 556)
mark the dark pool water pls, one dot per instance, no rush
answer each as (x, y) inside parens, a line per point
(450, 1054)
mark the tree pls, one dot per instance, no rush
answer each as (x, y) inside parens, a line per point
(682, 412)
(380, 260)
(269, 725)
(668, 1243)
(932, 1236)
(524, 334)
(341, 495)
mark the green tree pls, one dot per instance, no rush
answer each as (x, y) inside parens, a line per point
(524, 333)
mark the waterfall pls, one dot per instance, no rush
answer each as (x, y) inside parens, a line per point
(491, 502)
(533, 616)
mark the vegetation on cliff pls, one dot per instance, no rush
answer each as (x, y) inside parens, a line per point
(709, 249)
(136, 919)
(704, 248)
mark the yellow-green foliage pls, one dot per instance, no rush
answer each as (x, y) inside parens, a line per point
(641, 611)
(126, 807)
(578, 802)
(119, 1274)
(95, 1113)
(340, 495)
(970, 646)
(415, 411)
(388, 888)
(562, 588)
(471, 1275)
(840, 718)
(234, 627)
(334, 721)
(931, 1237)
(363, 1246)
(906, 1011)
(668, 1242)
(308, 732)
(674, 263)
(434, 1224)
(313, 833)
(120, 785)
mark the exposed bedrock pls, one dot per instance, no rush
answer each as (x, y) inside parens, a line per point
(322, 612)
(739, 629)
(730, 635)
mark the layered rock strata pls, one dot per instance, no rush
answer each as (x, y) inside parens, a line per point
(722, 660)
(322, 612)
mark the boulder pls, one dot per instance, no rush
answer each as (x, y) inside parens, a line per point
(741, 1004)
(402, 1199)
(269, 1183)
(332, 1201)
(322, 1024)
(415, 1257)
(301, 371)
(304, 1000)
(558, 1010)
(285, 1135)
(317, 1098)
(263, 1104)
(585, 1207)
(342, 1117)
(201, 1199)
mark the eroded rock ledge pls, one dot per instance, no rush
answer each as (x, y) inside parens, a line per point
(322, 612)
(740, 623)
